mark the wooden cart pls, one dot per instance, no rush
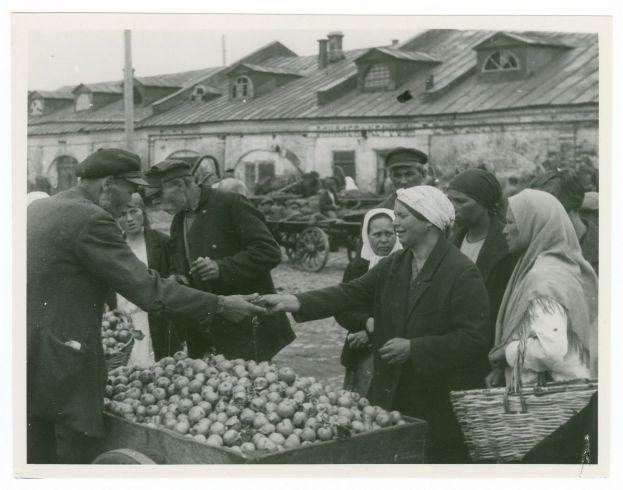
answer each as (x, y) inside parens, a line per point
(308, 245)
(130, 443)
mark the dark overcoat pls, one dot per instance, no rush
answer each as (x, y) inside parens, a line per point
(446, 320)
(230, 231)
(496, 264)
(75, 254)
(354, 320)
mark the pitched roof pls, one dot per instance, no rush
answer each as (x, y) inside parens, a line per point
(102, 88)
(52, 94)
(574, 69)
(266, 69)
(403, 55)
(570, 78)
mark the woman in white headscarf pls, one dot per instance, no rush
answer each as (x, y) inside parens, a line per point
(430, 310)
(379, 241)
(549, 309)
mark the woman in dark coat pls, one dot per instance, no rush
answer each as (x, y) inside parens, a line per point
(151, 247)
(431, 314)
(379, 240)
(477, 199)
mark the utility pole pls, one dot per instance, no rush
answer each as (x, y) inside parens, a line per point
(128, 91)
(223, 48)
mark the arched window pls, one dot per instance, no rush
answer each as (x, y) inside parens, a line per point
(242, 88)
(378, 77)
(501, 61)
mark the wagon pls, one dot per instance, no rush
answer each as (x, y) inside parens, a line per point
(131, 443)
(308, 239)
(308, 246)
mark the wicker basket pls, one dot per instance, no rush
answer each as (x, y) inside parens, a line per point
(121, 357)
(501, 427)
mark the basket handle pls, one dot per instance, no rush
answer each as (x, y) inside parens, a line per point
(515, 386)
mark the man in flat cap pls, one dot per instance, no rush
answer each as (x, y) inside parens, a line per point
(75, 254)
(221, 244)
(405, 167)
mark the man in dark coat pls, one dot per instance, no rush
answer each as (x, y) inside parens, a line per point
(75, 254)
(220, 242)
(405, 167)
(427, 329)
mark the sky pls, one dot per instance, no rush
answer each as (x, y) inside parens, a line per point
(58, 58)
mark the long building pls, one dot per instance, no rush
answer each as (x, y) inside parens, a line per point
(511, 101)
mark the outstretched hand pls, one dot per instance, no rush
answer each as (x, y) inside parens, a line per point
(238, 307)
(277, 303)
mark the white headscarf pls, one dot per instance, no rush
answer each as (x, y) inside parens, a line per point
(430, 202)
(366, 250)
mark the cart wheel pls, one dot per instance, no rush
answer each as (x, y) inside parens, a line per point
(312, 249)
(289, 244)
(123, 456)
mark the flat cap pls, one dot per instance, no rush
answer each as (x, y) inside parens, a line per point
(167, 170)
(401, 157)
(114, 162)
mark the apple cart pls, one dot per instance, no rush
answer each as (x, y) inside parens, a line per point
(131, 443)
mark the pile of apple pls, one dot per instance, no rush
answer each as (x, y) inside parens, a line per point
(245, 406)
(117, 330)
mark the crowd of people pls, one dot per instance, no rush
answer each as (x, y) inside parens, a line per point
(454, 288)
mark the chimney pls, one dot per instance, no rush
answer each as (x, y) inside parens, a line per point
(322, 53)
(395, 42)
(430, 82)
(335, 46)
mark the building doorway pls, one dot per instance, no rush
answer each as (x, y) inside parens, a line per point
(64, 167)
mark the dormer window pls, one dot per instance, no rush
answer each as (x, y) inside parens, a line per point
(378, 77)
(198, 93)
(242, 88)
(502, 60)
(83, 102)
(36, 107)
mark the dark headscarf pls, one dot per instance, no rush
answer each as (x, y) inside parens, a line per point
(480, 185)
(564, 185)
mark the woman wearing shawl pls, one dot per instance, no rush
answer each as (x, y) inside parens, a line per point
(549, 308)
(379, 240)
(150, 246)
(430, 312)
(477, 198)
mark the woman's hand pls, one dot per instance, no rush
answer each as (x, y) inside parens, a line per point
(495, 378)
(395, 351)
(358, 340)
(277, 303)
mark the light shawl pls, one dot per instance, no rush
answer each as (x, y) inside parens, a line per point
(366, 250)
(430, 202)
(551, 268)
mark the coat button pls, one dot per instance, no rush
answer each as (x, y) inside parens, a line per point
(203, 212)
(213, 245)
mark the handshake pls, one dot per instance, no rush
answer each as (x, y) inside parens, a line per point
(238, 307)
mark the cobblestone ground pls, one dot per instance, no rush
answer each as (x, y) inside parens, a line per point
(318, 344)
